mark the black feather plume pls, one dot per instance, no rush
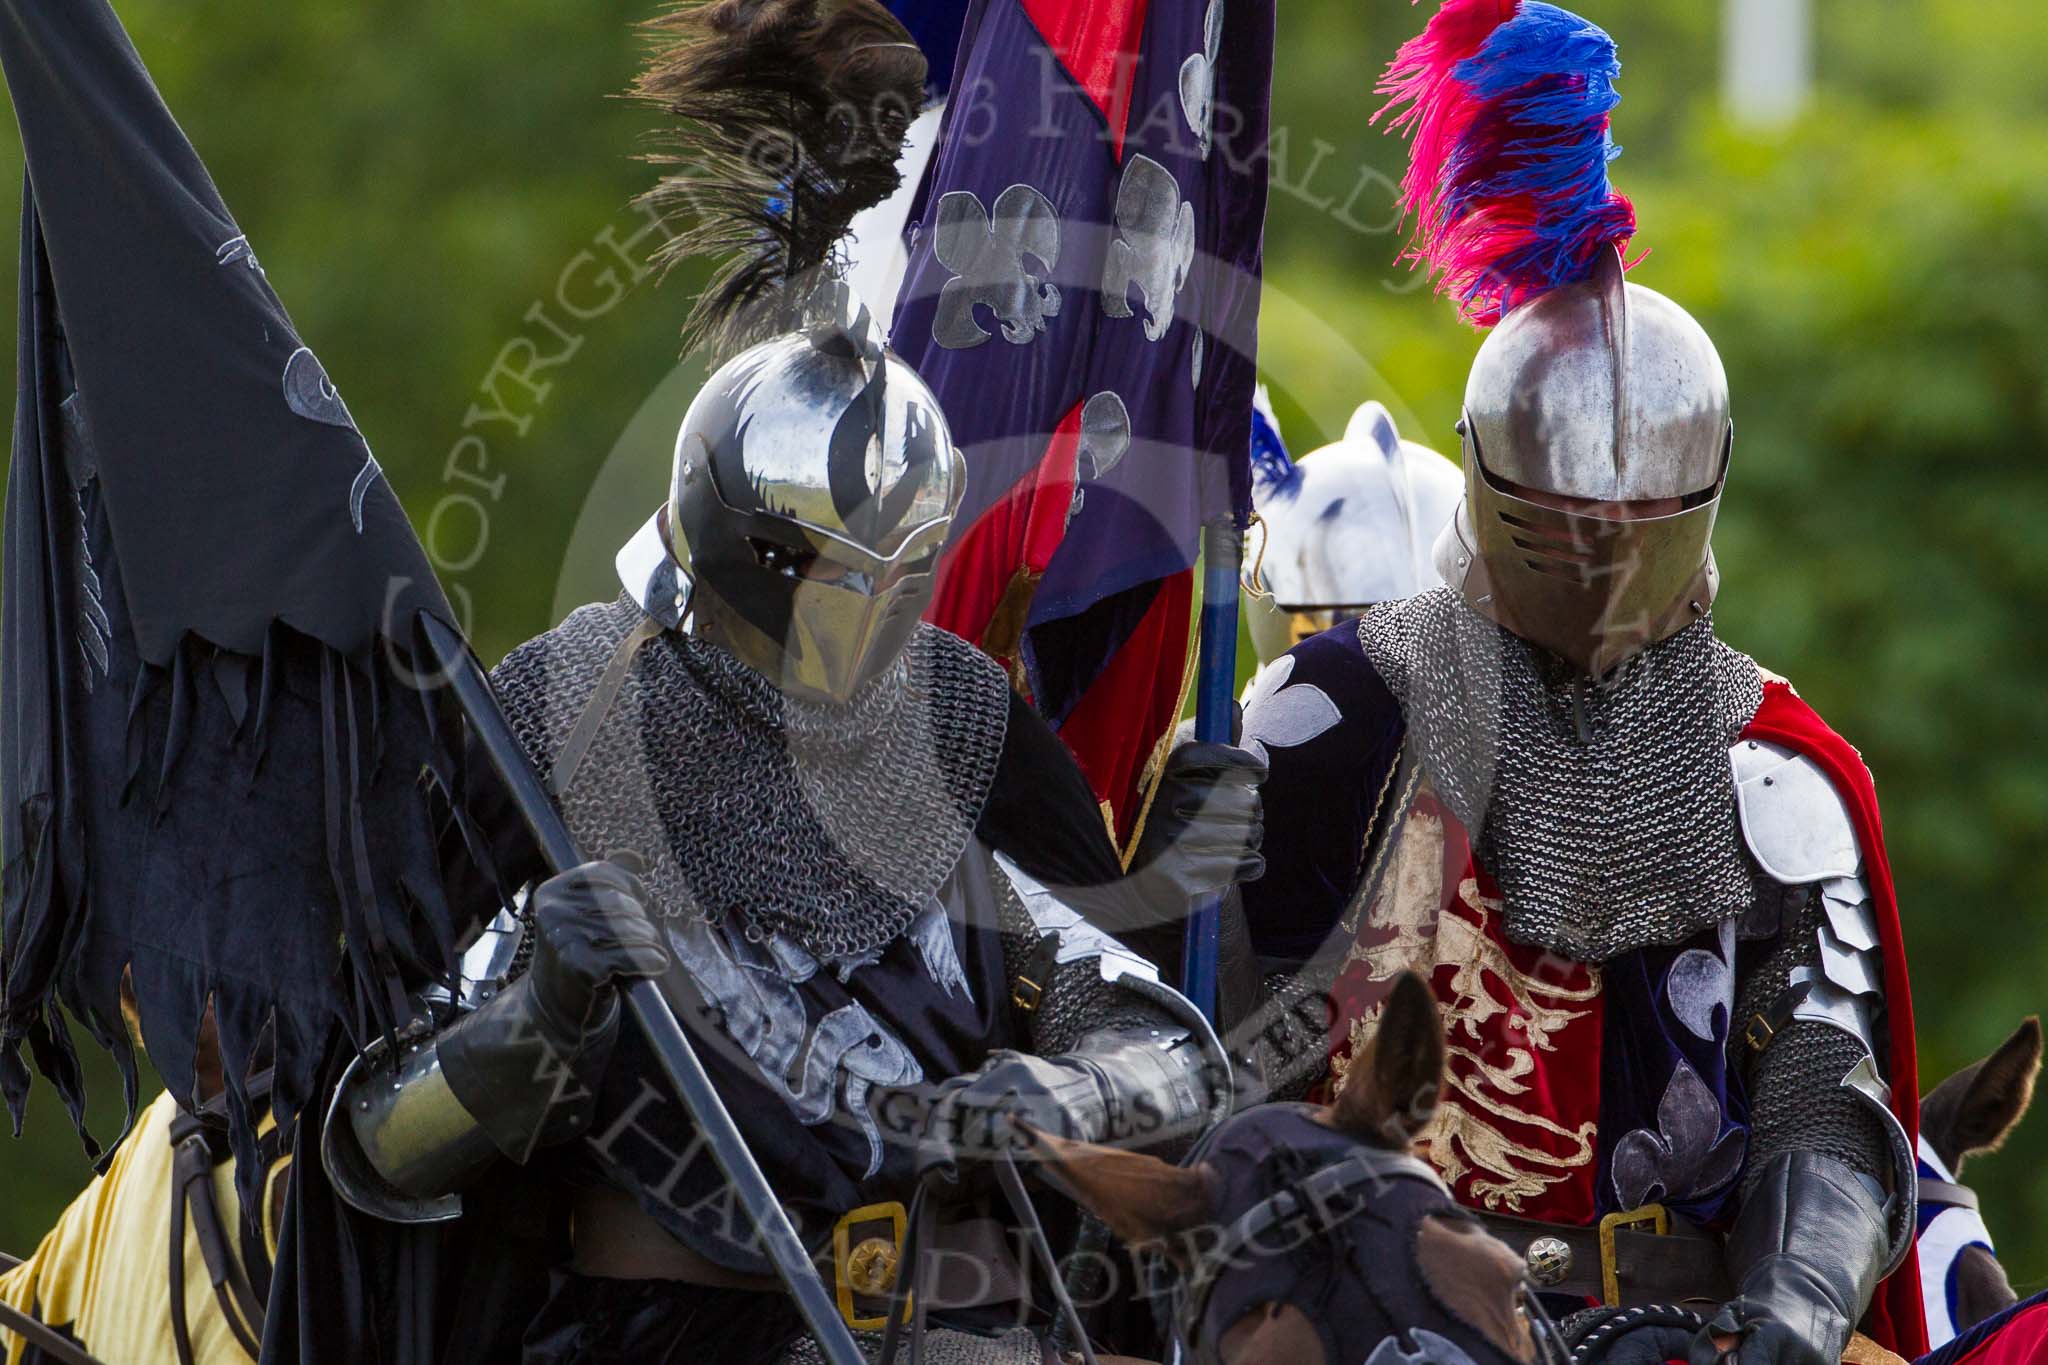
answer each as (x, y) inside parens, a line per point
(792, 115)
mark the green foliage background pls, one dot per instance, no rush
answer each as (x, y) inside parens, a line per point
(417, 178)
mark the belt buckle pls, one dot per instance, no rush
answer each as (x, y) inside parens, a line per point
(866, 1267)
(1659, 1220)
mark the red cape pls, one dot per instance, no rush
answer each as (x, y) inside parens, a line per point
(2018, 1336)
(1895, 1318)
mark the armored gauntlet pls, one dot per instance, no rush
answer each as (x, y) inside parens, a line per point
(524, 1064)
(1136, 1085)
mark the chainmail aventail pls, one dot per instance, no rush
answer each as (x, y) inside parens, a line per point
(1604, 809)
(831, 824)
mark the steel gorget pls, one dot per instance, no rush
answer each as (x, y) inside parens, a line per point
(1604, 809)
(831, 824)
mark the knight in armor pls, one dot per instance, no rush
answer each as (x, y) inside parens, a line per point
(857, 861)
(1646, 881)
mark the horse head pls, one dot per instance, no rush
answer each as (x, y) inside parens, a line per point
(1971, 1112)
(1315, 1235)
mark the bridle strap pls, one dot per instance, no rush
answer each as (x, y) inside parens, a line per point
(192, 1198)
(1311, 1201)
(1948, 1194)
(1318, 1191)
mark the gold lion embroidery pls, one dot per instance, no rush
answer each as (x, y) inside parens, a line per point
(1470, 1134)
(1480, 959)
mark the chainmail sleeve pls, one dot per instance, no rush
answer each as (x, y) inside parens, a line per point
(1797, 1101)
(1812, 1025)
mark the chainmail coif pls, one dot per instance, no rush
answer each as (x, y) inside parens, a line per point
(1605, 810)
(832, 824)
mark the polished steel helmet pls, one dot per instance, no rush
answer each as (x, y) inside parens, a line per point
(1596, 443)
(814, 482)
(1348, 525)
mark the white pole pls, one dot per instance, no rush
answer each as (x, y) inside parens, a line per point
(1766, 60)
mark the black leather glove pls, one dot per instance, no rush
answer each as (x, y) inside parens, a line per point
(1657, 1344)
(591, 932)
(976, 1114)
(526, 1063)
(1806, 1253)
(1203, 832)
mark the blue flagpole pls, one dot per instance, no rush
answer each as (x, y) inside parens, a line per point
(1215, 693)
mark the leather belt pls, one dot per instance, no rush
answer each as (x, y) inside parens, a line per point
(1644, 1256)
(972, 1264)
(973, 1261)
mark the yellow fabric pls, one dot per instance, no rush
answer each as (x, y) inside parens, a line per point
(104, 1270)
(1863, 1351)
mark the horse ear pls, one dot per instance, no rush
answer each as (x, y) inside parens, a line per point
(1142, 1198)
(1390, 1093)
(1975, 1109)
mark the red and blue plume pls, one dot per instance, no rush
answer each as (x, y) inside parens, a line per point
(1508, 104)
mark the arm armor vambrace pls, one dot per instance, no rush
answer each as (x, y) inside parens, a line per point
(1813, 1010)
(402, 1140)
(1140, 1061)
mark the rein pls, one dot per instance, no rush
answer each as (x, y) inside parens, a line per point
(42, 1336)
(1601, 1339)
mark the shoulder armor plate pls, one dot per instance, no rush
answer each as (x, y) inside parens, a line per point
(1078, 938)
(1845, 983)
(1794, 821)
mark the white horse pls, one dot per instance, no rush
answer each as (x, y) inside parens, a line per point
(1348, 525)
